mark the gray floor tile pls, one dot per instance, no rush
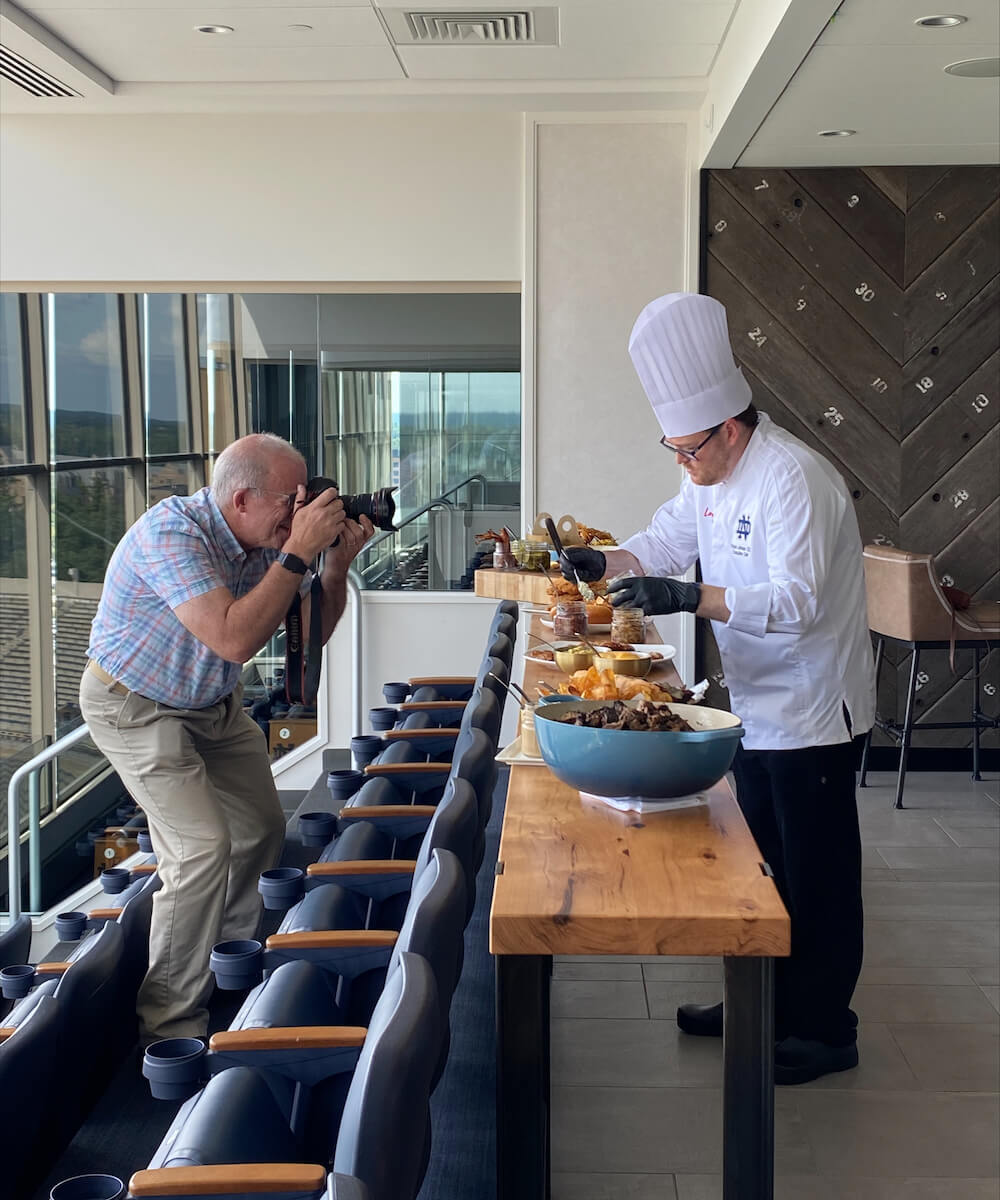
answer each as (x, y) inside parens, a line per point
(664, 998)
(952, 1058)
(975, 836)
(815, 1187)
(569, 969)
(986, 819)
(598, 998)
(992, 994)
(656, 1130)
(988, 973)
(931, 943)
(667, 971)
(980, 860)
(920, 1003)
(936, 976)
(901, 1134)
(981, 874)
(610, 1053)
(960, 900)
(612, 1187)
(902, 828)
(879, 874)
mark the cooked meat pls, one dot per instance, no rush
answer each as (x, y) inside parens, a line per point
(618, 715)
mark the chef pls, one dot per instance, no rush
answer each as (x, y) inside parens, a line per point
(774, 529)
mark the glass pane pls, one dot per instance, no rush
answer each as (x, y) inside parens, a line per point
(88, 521)
(13, 444)
(83, 358)
(164, 374)
(215, 363)
(169, 479)
(13, 531)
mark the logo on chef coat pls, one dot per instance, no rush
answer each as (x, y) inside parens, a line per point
(741, 542)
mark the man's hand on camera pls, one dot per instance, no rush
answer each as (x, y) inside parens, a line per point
(589, 565)
(656, 597)
(315, 525)
(352, 539)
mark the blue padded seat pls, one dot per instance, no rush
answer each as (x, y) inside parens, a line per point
(28, 1058)
(15, 942)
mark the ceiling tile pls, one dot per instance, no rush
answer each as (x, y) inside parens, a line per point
(861, 22)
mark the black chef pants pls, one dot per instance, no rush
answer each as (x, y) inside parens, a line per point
(802, 810)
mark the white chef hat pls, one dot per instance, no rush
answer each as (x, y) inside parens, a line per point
(680, 349)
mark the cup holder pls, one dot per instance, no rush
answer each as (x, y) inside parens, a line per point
(89, 1187)
(16, 981)
(383, 718)
(145, 841)
(174, 1067)
(70, 925)
(317, 828)
(395, 692)
(343, 784)
(237, 965)
(115, 880)
(364, 748)
(282, 887)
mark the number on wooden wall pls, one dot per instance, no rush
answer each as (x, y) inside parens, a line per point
(762, 186)
(981, 402)
(922, 678)
(853, 201)
(865, 292)
(879, 385)
(990, 689)
(925, 384)
(756, 336)
(941, 294)
(939, 217)
(799, 305)
(960, 497)
(882, 540)
(834, 416)
(719, 226)
(947, 581)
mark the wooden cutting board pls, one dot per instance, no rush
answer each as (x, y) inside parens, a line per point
(528, 587)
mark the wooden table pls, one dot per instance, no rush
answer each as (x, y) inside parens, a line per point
(583, 878)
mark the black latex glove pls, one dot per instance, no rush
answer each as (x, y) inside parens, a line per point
(590, 565)
(656, 597)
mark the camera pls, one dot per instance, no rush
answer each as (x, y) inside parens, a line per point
(379, 506)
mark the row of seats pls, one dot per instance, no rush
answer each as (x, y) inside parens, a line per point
(333, 1056)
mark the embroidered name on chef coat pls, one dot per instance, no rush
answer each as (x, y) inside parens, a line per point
(741, 541)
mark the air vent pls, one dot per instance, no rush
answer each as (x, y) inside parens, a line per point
(30, 78)
(473, 27)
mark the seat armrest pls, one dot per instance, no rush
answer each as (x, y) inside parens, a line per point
(227, 1180)
(363, 866)
(431, 705)
(372, 812)
(438, 680)
(144, 868)
(418, 768)
(53, 968)
(418, 735)
(7, 1031)
(289, 1037)
(104, 914)
(333, 939)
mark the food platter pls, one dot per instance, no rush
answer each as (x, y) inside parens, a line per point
(547, 622)
(665, 651)
(512, 755)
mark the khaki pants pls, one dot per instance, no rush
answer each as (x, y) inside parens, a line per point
(203, 779)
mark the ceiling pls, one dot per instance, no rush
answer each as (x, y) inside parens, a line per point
(871, 68)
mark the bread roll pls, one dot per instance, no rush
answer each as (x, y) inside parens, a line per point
(599, 614)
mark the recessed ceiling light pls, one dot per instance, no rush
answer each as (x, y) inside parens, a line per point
(213, 29)
(975, 68)
(837, 132)
(941, 22)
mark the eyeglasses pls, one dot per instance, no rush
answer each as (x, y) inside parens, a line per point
(289, 499)
(692, 453)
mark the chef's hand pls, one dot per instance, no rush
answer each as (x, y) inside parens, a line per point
(656, 597)
(589, 565)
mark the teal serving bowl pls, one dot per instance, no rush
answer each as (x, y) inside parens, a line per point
(626, 762)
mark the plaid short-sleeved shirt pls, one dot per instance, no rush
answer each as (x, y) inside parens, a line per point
(179, 549)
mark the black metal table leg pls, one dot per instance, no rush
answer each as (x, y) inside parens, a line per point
(975, 714)
(748, 1079)
(907, 732)
(522, 1016)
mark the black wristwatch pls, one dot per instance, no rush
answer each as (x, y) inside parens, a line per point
(292, 562)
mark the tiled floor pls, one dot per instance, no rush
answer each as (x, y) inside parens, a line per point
(637, 1105)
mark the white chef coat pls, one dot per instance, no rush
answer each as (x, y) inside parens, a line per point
(781, 536)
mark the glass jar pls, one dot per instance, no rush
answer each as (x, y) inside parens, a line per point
(628, 625)
(533, 557)
(570, 619)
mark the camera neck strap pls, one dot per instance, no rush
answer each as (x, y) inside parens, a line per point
(302, 668)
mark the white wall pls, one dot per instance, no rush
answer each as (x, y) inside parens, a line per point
(285, 198)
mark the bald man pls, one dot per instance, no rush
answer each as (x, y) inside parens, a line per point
(193, 590)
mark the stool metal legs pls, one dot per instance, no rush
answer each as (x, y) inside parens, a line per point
(907, 734)
(976, 715)
(879, 653)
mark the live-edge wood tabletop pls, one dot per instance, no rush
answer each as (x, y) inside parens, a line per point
(578, 877)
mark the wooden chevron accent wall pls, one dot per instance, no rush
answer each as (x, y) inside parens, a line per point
(864, 309)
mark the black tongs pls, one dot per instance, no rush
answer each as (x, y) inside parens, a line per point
(557, 546)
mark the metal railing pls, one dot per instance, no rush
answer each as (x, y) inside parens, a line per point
(30, 772)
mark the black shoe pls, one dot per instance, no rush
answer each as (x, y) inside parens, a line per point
(701, 1020)
(797, 1060)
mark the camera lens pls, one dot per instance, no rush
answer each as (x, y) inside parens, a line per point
(379, 507)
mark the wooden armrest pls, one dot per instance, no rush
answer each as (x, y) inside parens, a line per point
(417, 768)
(144, 869)
(431, 705)
(104, 914)
(235, 1178)
(53, 968)
(290, 1037)
(364, 866)
(333, 939)
(130, 835)
(370, 812)
(6, 1032)
(448, 680)
(415, 735)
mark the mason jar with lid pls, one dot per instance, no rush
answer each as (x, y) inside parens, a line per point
(570, 619)
(628, 625)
